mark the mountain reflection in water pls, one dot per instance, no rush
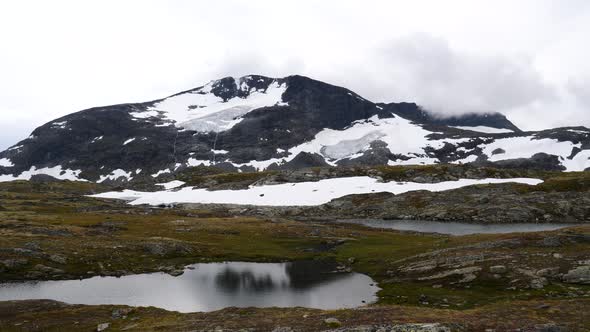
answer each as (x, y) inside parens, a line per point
(297, 275)
(212, 286)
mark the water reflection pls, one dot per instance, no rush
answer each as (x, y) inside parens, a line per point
(213, 286)
(230, 280)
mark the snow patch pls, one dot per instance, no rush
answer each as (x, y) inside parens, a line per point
(296, 194)
(164, 171)
(56, 172)
(171, 184)
(60, 125)
(401, 136)
(192, 162)
(484, 129)
(128, 141)
(115, 175)
(5, 162)
(144, 114)
(202, 111)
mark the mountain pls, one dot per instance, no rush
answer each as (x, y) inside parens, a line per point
(255, 123)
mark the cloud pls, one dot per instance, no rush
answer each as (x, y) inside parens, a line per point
(579, 87)
(428, 71)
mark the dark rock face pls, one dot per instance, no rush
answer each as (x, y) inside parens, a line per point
(539, 161)
(302, 160)
(415, 113)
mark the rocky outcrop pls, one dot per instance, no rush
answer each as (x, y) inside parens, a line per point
(579, 275)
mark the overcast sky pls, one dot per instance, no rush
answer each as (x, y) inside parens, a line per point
(527, 59)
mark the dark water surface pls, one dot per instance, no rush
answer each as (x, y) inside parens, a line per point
(212, 286)
(454, 228)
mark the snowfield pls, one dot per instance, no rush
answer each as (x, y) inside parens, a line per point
(5, 162)
(484, 129)
(56, 172)
(403, 137)
(202, 111)
(295, 194)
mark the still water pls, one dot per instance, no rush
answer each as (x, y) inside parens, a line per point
(454, 228)
(212, 286)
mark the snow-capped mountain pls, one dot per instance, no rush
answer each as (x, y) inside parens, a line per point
(256, 123)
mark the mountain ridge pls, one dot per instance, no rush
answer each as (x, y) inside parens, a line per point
(256, 122)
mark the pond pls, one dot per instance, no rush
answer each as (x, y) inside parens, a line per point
(454, 228)
(213, 286)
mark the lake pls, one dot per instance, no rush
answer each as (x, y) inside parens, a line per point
(212, 286)
(454, 228)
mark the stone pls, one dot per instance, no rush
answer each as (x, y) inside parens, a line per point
(14, 263)
(420, 328)
(58, 259)
(549, 328)
(47, 269)
(538, 283)
(176, 273)
(548, 272)
(121, 313)
(498, 151)
(467, 271)
(102, 327)
(167, 248)
(498, 269)
(550, 241)
(33, 245)
(579, 275)
(332, 322)
(282, 329)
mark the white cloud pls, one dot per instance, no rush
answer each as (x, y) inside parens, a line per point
(580, 88)
(62, 56)
(426, 70)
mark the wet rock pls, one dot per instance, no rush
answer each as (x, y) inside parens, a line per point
(332, 322)
(176, 273)
(498, 269)
(579, 275)
(102, 327)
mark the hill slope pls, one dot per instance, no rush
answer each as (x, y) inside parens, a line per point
(255, 123)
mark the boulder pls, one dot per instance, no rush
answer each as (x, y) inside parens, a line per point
(579, 275)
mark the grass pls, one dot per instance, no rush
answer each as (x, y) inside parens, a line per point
(104, 237)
